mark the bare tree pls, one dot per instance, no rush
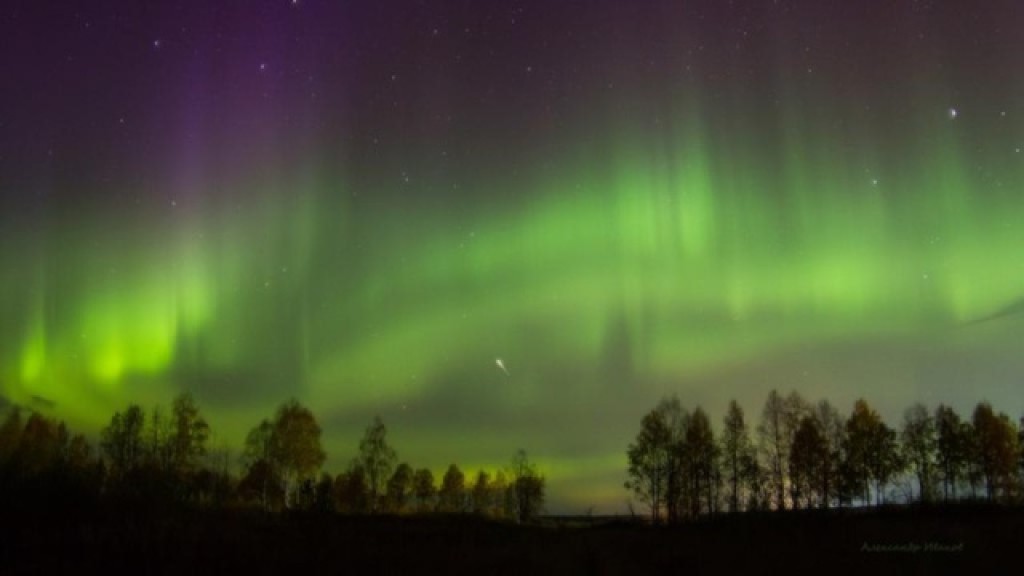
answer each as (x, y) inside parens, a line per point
(527, 486)
(806, 459)
(189, 433)
(736, 452)
(262, 477)
(676, 420)
(157, 440)
(973, 473)
(121, 441)
(795, 410)
(773, 445)
(1020, 455)
(833, 431)
(952, 449)
(886, 460)
(377, 459)
(919, 443)
(650, 462)
(701, 455)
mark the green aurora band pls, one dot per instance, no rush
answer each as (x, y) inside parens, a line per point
(684, 256)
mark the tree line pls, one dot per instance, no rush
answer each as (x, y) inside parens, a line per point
(803, 455)
(164, 457)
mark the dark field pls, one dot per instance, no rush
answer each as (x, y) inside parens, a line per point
(962, 539)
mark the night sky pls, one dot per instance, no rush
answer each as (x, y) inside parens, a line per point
(365, 204)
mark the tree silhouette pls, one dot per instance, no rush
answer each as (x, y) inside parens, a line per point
(399, 489)
(259, 443)
(919, 443)
(286, 450)
(833, 432)
(79, 454)
(262, 483)
(997, 451)
(701, 456)
(189, 433)
(296, 445)
(886, 460)
(377, 459)
(502, 504)
(1020, 451)
(952, 449)
(795, 409)
(872, 452)
(755, 475)
(452, 495)
(806, 459)
(121, 440)
(737, 452)
(773, 445)
(351, 490)
(527, 486)
(262, 471)
(156, 439)
(650, 462)
(974, 474)
(480, 494)
(424, 490)
(10, 434)
(861, 438)
(324, 497)
(39, 446)
(676, 419)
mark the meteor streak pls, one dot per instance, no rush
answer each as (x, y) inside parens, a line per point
(501, 365)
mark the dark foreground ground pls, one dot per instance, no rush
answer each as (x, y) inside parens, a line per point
(959, 540)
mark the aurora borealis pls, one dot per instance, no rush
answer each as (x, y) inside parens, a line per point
(364, 204)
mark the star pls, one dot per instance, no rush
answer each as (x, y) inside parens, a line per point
(157, 43)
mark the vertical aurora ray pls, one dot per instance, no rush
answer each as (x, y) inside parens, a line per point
(680, 244)
(619, 204)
